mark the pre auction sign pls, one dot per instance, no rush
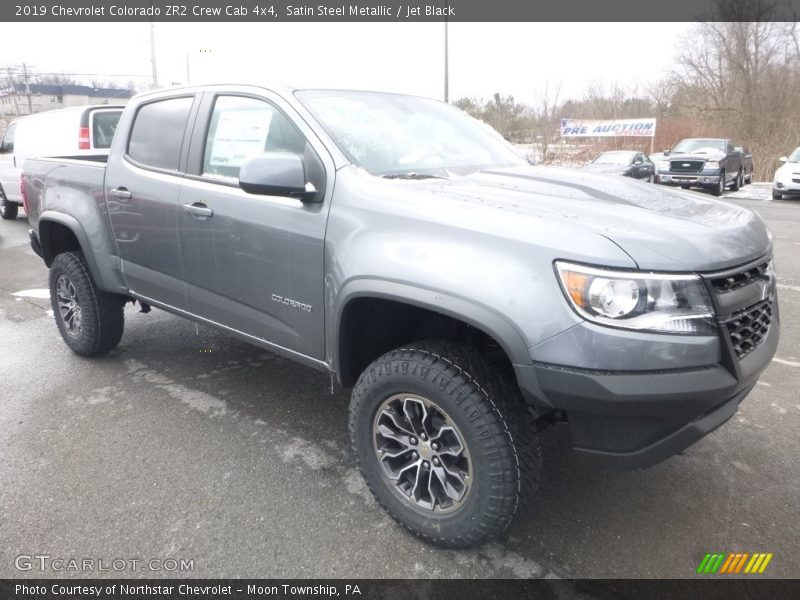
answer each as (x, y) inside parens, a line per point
(615, 128)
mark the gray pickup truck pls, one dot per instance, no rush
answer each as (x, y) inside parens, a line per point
(469, 299)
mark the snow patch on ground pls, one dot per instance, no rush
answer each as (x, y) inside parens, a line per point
(41, 293)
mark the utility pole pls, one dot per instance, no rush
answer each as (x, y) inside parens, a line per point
(27, 88)
(153, 54)
(187, 69)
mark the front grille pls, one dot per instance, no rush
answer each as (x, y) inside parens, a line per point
(738, 280)
(686, 166)
(796, 180)
(749, 327)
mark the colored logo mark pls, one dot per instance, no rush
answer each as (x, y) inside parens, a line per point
(735, 562)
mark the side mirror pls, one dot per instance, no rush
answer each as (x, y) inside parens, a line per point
(782, 159)
(277, 174)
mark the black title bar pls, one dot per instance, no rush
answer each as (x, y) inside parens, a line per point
(708, 588)
(275, 11)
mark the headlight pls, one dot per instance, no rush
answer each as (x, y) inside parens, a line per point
(667, 303)
(712, 164)
(663, 164)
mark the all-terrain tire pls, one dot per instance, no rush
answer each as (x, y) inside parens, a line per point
(485, 405)
(100, 315)
(8, 210)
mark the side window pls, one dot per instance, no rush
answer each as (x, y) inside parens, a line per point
(7, 145)
(244, 127)
(158, 131)
(104, 124)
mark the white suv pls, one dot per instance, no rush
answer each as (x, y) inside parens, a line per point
(787, 177)
(75, 131)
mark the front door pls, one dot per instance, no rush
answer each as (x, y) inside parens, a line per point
(253, 263)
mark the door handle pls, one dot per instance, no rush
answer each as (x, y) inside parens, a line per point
(198, 209)
(121, 193)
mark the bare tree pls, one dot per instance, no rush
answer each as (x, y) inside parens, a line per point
(743, 78)
(546, 117)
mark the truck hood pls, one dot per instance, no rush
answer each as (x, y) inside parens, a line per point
(695, 156)
(658, 227)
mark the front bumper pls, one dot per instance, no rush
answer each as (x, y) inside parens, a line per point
(694, 179)
(786, 189)
(635, 419)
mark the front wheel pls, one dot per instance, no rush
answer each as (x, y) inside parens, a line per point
(777, 196)
(8, 209)
(90, 321)
(446, 448)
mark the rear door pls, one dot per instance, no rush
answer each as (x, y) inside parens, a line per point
(255, 262)
(142, 193)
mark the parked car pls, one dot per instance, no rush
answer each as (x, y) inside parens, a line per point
(74, 131)
(709, 163)
(468, 298)
(624, 162)
(747, 163)
(787, 177)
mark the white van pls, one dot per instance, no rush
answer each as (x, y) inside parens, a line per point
(75, 131)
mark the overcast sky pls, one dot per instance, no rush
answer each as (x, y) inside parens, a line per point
(511, 58)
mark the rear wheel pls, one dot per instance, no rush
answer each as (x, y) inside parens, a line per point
(446, 445)
(717, 191)
(8, 209)
(90, 321)
(738, 182)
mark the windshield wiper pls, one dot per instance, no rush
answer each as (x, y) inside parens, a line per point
(411, 175)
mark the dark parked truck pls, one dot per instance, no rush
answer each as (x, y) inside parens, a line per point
(712, 164)
(467, 298)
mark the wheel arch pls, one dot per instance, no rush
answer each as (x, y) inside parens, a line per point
(423, 303)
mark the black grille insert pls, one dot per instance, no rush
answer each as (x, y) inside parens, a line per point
(738, 280)
(749, 327)
(687, 166)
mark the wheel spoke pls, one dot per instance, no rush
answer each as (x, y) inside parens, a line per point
(422, 484)
(395, 419)
(449, 490)
(417, 414)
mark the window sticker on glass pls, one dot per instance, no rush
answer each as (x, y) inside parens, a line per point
(239, 135)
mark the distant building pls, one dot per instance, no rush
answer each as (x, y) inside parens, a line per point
(15, 100)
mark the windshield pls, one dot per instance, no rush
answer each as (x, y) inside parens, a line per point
(404, 136)
(614, 158)
(700, 146)
(795, 156)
